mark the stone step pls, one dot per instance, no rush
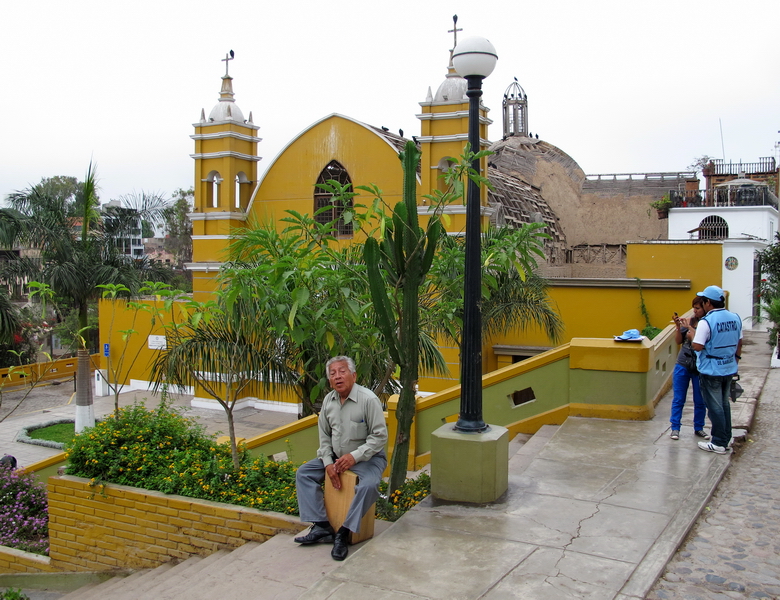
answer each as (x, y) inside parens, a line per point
(279, 567)
(104, 590)
(138, 589)
(517, 442)
(519, 461)
(178, 577)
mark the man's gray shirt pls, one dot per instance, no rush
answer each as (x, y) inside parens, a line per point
(357, 426)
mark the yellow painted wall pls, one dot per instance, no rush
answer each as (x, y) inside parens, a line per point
(39, 373)
(588, 311)
(592, 311)
(289, 183)
(114, 317)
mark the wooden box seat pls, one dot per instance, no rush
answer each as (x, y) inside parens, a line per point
(337, 504)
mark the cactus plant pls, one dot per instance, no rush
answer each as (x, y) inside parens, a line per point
(397, 266)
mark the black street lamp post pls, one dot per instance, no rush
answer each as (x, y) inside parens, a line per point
(474, 59)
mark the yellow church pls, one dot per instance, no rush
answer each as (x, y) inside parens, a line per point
(230, 195)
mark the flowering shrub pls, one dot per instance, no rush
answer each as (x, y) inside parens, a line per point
(24, 517)
(408, 495)
(163, 450)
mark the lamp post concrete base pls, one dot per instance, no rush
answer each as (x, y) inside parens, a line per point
(469, 467)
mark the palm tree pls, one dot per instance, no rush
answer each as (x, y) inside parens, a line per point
(76, 255)
(9, 318)
(514, 296)
(222, 351)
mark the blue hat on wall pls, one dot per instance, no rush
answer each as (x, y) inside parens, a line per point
(713, 292)
(631, 334)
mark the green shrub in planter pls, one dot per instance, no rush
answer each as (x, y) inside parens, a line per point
(163, 450)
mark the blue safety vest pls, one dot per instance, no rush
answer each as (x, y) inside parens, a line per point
(717, 358)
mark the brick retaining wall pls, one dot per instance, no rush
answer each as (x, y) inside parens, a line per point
(116, 527)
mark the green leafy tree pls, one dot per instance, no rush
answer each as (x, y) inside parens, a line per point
(10, 322)
(312, 301)
(398, 264)
(178, 239)
(768, 304)
(75, 257)
(418, 291)
(514, 296)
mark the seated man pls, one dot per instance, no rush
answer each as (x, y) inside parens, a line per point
(353, 434)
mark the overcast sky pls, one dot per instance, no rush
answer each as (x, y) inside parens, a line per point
(620, 86)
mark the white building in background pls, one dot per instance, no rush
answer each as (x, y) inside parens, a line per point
(127, 228)
(743, 214)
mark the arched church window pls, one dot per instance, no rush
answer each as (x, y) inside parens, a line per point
(326, 207)
(241, 191)
(713, 228)
(213, 181)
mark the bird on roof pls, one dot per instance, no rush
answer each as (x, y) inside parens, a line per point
(385, 128)
(401, 132)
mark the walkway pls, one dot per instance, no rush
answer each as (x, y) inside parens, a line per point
(734, 549)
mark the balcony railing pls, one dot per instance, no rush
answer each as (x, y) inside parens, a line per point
(765, 164)
(725, 196)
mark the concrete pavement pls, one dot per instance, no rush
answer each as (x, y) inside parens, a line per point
(49, 403)
(596, 514)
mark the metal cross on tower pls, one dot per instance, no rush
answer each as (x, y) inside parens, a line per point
(228, 57)
(454, 31)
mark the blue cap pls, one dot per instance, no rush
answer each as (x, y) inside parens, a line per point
(713, 292)
(631, 334)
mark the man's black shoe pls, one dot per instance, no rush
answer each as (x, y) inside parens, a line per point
(316, 535)
(340, 548)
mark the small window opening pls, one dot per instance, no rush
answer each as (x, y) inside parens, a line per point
(522, 396)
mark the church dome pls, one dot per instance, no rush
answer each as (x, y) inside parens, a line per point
(530, 159)
(533, 182)
(452, 89)
(226, 109)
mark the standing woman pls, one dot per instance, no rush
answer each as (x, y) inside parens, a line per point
(685, 372)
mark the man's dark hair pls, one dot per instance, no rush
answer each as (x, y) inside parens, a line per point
(717, 303)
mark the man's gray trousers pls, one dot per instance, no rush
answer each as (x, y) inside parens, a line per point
(311, 499)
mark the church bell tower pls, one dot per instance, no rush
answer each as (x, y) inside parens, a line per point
(225, 176)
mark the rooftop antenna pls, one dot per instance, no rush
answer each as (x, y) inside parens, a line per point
(722, 147)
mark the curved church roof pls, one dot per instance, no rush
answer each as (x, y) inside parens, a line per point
(396, 142)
